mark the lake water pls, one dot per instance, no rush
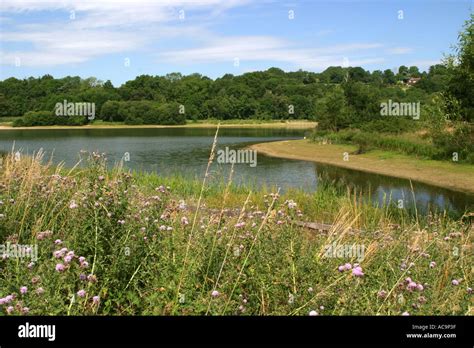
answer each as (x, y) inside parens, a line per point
(186, 151)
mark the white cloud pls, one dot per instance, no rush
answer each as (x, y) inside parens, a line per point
(267, 48)
(107, 13)
(98, 28)
(55, 47)
(122, 26)
(399, 50)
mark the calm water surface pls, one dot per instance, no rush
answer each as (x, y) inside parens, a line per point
(186, 151)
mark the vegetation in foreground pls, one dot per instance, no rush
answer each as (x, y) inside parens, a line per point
(115, 243)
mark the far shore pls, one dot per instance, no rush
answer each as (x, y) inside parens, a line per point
(225, 124)
(457, 177)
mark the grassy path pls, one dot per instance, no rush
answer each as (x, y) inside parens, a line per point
(459, 177)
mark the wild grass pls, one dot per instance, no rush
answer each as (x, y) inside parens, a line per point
(113, 242)
(405, 143)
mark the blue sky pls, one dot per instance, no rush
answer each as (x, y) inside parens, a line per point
(118, 40)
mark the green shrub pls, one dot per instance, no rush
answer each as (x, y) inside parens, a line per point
(460, 141)
(390, 125)
(109, 111)
(142, 112)
(48, 118)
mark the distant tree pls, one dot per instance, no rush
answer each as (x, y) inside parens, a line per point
(461, 72)
(110, 111)
(389, 77)
(333, 74)
(332, 111)
(108, 85)
(403, 73)
(414, 72)
(358, 74)
(377, 77)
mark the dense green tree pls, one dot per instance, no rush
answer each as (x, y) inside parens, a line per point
(461, 70)
(332, 110)
(403, 73)
(389, 77)
(413, 71)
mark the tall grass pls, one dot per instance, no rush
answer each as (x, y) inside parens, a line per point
(367, 141)
(142, 244)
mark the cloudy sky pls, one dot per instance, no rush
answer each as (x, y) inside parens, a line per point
(121, 39)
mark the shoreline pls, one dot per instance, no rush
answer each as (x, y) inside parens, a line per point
(455, 177)
(277, 124)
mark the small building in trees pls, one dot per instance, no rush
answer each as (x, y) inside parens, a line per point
(412, 80)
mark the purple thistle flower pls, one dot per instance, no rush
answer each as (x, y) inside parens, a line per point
(341, 268)
(23, 290)
(215, 293)
(348, 266)
(10, 310)
(411, 286)
(60, 267)
(96, 299)
(455, 282)
(84, 264)
(8, 298)
(81, 293)
(357, 272)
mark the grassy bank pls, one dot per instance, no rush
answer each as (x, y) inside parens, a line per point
(300, 124)
(454, 176)
(112, 242)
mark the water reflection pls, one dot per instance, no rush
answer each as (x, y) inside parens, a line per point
(186, 151)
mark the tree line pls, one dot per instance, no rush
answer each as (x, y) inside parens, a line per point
(270, 94)
(338, 97)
